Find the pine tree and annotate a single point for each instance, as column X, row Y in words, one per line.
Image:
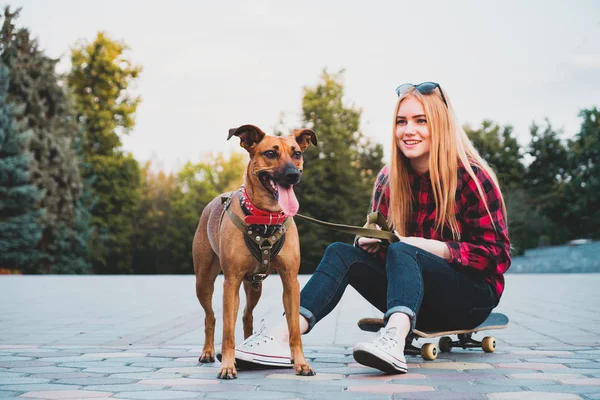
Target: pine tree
column 20, row 229
column 55, row 167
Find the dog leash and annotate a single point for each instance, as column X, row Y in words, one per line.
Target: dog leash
column 374, row 218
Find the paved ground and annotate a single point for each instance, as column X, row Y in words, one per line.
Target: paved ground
column 132, row 337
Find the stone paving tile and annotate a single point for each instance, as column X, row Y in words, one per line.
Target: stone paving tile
column 44, row 370
column 256, row 396
column 532, row 366
column 163, row 364
column 216, row 388
column 21, row 380
column 179, row 382
column 345, row 370
column 6, row 374
column 515, row 382
column 322, row 365
column 580, row 381
column 437, row 395
column 539, row 353
column 95, row 381
column 456, row 365
column 347, row 396
column 117, row 370
column 318, row 377
column 65, row 394
column 580, row 390
column 532, row 396
column 187, row 370
column 114, row 354
column 34, row 387
column 380, row 377
column 300, row 387
column 557, row 360
column 132, row 387
column 147, row 375
column 67, row 375
column 546, row 375
column 393, row 388
column 592, row 365
column 15, row 358
column 89, row 364
column 338, row 359
column 155, row 395
column 21, row 364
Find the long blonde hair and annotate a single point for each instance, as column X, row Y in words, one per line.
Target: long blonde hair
column 449, row 147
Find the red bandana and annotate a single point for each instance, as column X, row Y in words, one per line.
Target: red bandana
column 257, row 216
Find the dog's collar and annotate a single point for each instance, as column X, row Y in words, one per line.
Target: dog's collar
column 256, row 216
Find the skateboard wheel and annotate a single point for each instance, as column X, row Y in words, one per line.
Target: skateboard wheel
column 445, row 344
column 429, row 351
column 488, row 344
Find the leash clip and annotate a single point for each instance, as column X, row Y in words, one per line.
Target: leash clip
column 258, row 278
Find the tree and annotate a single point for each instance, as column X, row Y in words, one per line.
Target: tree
column 339, row 175
column 170, row 208
column 55, row 166
column 500, row 149
column 20, row 229
column 583, row 191
column 99, row 80
column 545, row 179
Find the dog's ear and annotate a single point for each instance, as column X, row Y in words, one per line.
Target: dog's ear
column 249, row 135
column 305, row 137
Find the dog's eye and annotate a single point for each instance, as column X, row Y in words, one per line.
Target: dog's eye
column 297, row 155
column 270, row 154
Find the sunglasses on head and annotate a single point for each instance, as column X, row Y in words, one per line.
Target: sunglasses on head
column 423, row 88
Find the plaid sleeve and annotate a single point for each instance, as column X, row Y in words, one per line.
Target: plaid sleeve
column 485, row 245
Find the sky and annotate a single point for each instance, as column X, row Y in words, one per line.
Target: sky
column 212, row 65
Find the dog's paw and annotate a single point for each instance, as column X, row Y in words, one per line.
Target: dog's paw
column 207, row 357
column 227, row 373
column 304, row 370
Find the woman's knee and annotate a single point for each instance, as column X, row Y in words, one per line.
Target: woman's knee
column 338, row 256
column 401, row 249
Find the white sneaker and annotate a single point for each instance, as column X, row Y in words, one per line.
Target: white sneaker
column 386, row 352
column 263, row 349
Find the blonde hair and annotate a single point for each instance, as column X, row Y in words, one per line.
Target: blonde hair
column 449, row 147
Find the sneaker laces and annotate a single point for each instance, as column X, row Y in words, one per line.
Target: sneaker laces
column 386, row 337
column 260, row 336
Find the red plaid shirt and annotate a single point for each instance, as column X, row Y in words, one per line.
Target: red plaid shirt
column 482, row 248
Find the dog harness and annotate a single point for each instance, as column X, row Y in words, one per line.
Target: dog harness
column 264, row 233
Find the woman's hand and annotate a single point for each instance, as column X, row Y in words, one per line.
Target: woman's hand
column 433, row 246
column 370, row 245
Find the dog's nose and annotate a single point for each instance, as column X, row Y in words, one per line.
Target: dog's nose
column 291, row 175
column 292, row 178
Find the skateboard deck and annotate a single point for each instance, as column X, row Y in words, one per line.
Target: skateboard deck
column 429, row 350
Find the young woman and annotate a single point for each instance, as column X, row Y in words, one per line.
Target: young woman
column 446, row 272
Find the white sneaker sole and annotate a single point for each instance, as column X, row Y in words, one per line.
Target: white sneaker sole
column 261, row 359
column 379, row 359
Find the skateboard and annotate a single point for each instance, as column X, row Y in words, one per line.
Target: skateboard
column 429, row 351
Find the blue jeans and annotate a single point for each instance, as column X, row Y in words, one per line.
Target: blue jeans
column 434, row 294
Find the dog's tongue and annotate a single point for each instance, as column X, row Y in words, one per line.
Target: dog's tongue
column 287, row 200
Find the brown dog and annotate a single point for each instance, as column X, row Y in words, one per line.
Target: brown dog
column 219, row 243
